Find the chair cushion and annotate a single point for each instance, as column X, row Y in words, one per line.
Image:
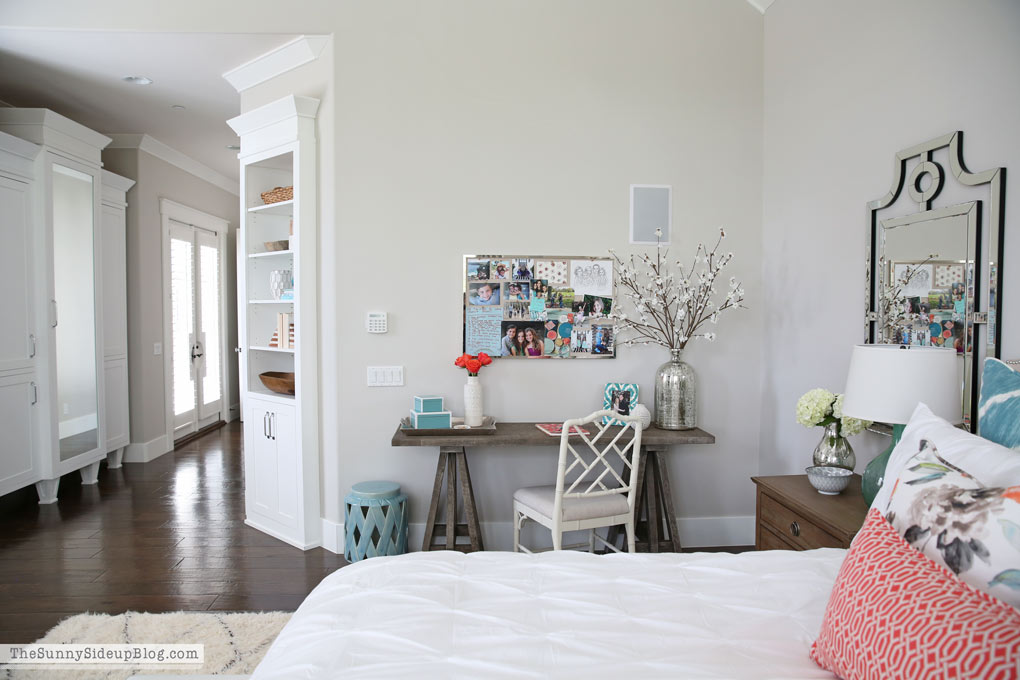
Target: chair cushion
column 543, row 499
column 999, row 408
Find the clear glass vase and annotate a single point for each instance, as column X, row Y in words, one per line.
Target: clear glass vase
column 676, row 394
column 834, row 450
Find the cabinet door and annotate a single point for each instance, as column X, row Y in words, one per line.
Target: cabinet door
column 288, row 465
column 17, row 455
column 271, row 463
column 114, row 282
column 116, row 403
column 260, row 461
column 16, row 345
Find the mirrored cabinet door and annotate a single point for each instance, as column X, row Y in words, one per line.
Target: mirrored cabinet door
column 74, row 295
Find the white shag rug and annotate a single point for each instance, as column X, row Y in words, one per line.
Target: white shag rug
column 234, row 643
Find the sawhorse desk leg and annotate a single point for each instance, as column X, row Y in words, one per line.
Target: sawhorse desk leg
column 452, row 467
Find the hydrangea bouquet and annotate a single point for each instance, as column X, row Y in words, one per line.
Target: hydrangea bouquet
column 822, row 407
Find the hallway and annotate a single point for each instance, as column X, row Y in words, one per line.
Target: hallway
column 162, row 536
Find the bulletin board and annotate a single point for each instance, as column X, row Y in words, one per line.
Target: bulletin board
column 539, row 307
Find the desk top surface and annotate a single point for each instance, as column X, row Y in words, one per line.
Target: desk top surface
column 526, row 434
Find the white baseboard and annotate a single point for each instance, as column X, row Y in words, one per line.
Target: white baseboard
column 695, row 532
column 143, row 452
column 333, row 537
column 73, row 426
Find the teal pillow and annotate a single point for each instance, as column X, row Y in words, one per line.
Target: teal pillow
column 999, row 408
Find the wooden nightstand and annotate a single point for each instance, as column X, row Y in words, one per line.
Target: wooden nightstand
column 792, row 515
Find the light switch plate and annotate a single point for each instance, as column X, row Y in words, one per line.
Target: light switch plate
column 385, row 376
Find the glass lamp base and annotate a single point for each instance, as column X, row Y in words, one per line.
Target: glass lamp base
column 874, row 473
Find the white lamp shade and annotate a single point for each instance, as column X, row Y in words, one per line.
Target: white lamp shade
column 886, row 382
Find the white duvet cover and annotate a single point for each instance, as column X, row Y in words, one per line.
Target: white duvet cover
column 561, row 615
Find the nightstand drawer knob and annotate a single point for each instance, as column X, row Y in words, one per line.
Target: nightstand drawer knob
column 794, row 528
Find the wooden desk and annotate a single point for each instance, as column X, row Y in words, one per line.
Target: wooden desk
column 657, row 531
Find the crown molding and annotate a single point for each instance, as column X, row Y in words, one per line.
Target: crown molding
column 154, row 147
column 297, row 52
column 760, row 5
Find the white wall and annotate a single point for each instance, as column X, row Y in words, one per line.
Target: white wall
column 847, row 85
column 480, row 127
column 472, row 128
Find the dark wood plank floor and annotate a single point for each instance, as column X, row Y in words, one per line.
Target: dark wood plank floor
column 161, row 536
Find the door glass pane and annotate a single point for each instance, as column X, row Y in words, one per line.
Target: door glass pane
column 182, row 305
column 74, row 292
column 209, row 272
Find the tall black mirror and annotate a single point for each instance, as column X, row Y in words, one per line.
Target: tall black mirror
column 935, row 258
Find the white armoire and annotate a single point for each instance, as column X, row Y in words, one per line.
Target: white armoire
column 281, row 431
column 52, row 366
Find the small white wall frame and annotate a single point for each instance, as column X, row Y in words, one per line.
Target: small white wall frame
column 651, row 208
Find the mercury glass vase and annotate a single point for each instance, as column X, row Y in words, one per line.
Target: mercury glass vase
column 676, row 394
column 834, row 450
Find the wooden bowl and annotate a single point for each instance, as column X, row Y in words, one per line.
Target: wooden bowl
column 281, row 383
column 272, row 246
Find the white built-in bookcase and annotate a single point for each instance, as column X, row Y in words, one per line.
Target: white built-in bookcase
column 278, row 149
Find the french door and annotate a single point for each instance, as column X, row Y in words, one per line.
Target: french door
column 195, row 329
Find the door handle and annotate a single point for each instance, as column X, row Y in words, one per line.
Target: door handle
column 237, row 349
column 272, row 426
column 195, row 354
column 31, row 340
column 265, row 424
column 35, row 393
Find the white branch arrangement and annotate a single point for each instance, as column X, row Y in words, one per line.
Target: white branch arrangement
column 669, row 308
column 892, row 300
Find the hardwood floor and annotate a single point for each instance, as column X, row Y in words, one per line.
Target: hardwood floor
column 161, row 536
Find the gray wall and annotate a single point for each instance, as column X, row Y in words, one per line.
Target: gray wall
column 847, row 85
column 158, row 179
column 475, row 128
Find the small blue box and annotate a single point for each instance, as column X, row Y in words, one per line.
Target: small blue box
column 429, row 404
column 431, row 421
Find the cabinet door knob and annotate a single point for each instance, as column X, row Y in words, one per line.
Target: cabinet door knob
column 794, row 528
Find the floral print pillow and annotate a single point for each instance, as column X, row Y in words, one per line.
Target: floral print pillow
column 956, row 521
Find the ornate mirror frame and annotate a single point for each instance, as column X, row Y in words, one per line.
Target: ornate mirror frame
column 984, row 238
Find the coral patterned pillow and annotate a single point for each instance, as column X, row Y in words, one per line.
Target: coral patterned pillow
column 949, row 515
column 894, row 613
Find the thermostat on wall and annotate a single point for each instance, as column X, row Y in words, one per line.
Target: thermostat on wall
column 375, row 322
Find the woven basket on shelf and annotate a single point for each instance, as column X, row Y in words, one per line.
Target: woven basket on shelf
column 278, row 194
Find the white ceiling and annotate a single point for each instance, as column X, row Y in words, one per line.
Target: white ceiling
column 79, row 75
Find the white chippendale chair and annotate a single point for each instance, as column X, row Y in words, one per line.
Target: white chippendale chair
column 589, row 492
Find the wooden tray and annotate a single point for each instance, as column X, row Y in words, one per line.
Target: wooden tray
column 488, row 426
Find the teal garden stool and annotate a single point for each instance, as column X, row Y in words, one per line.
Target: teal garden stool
column 375, row 521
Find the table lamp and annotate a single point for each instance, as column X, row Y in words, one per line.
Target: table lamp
column 885, row 384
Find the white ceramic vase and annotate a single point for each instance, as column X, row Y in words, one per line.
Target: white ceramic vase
column 473, row 402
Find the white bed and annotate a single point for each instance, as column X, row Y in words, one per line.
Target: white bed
column 567, row 614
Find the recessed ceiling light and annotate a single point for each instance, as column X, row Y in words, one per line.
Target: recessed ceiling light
column 177, row 107
column 233, row 147
column 137, row 80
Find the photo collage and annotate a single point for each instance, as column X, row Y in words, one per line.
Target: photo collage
column 534, row 307
column 936, row 301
